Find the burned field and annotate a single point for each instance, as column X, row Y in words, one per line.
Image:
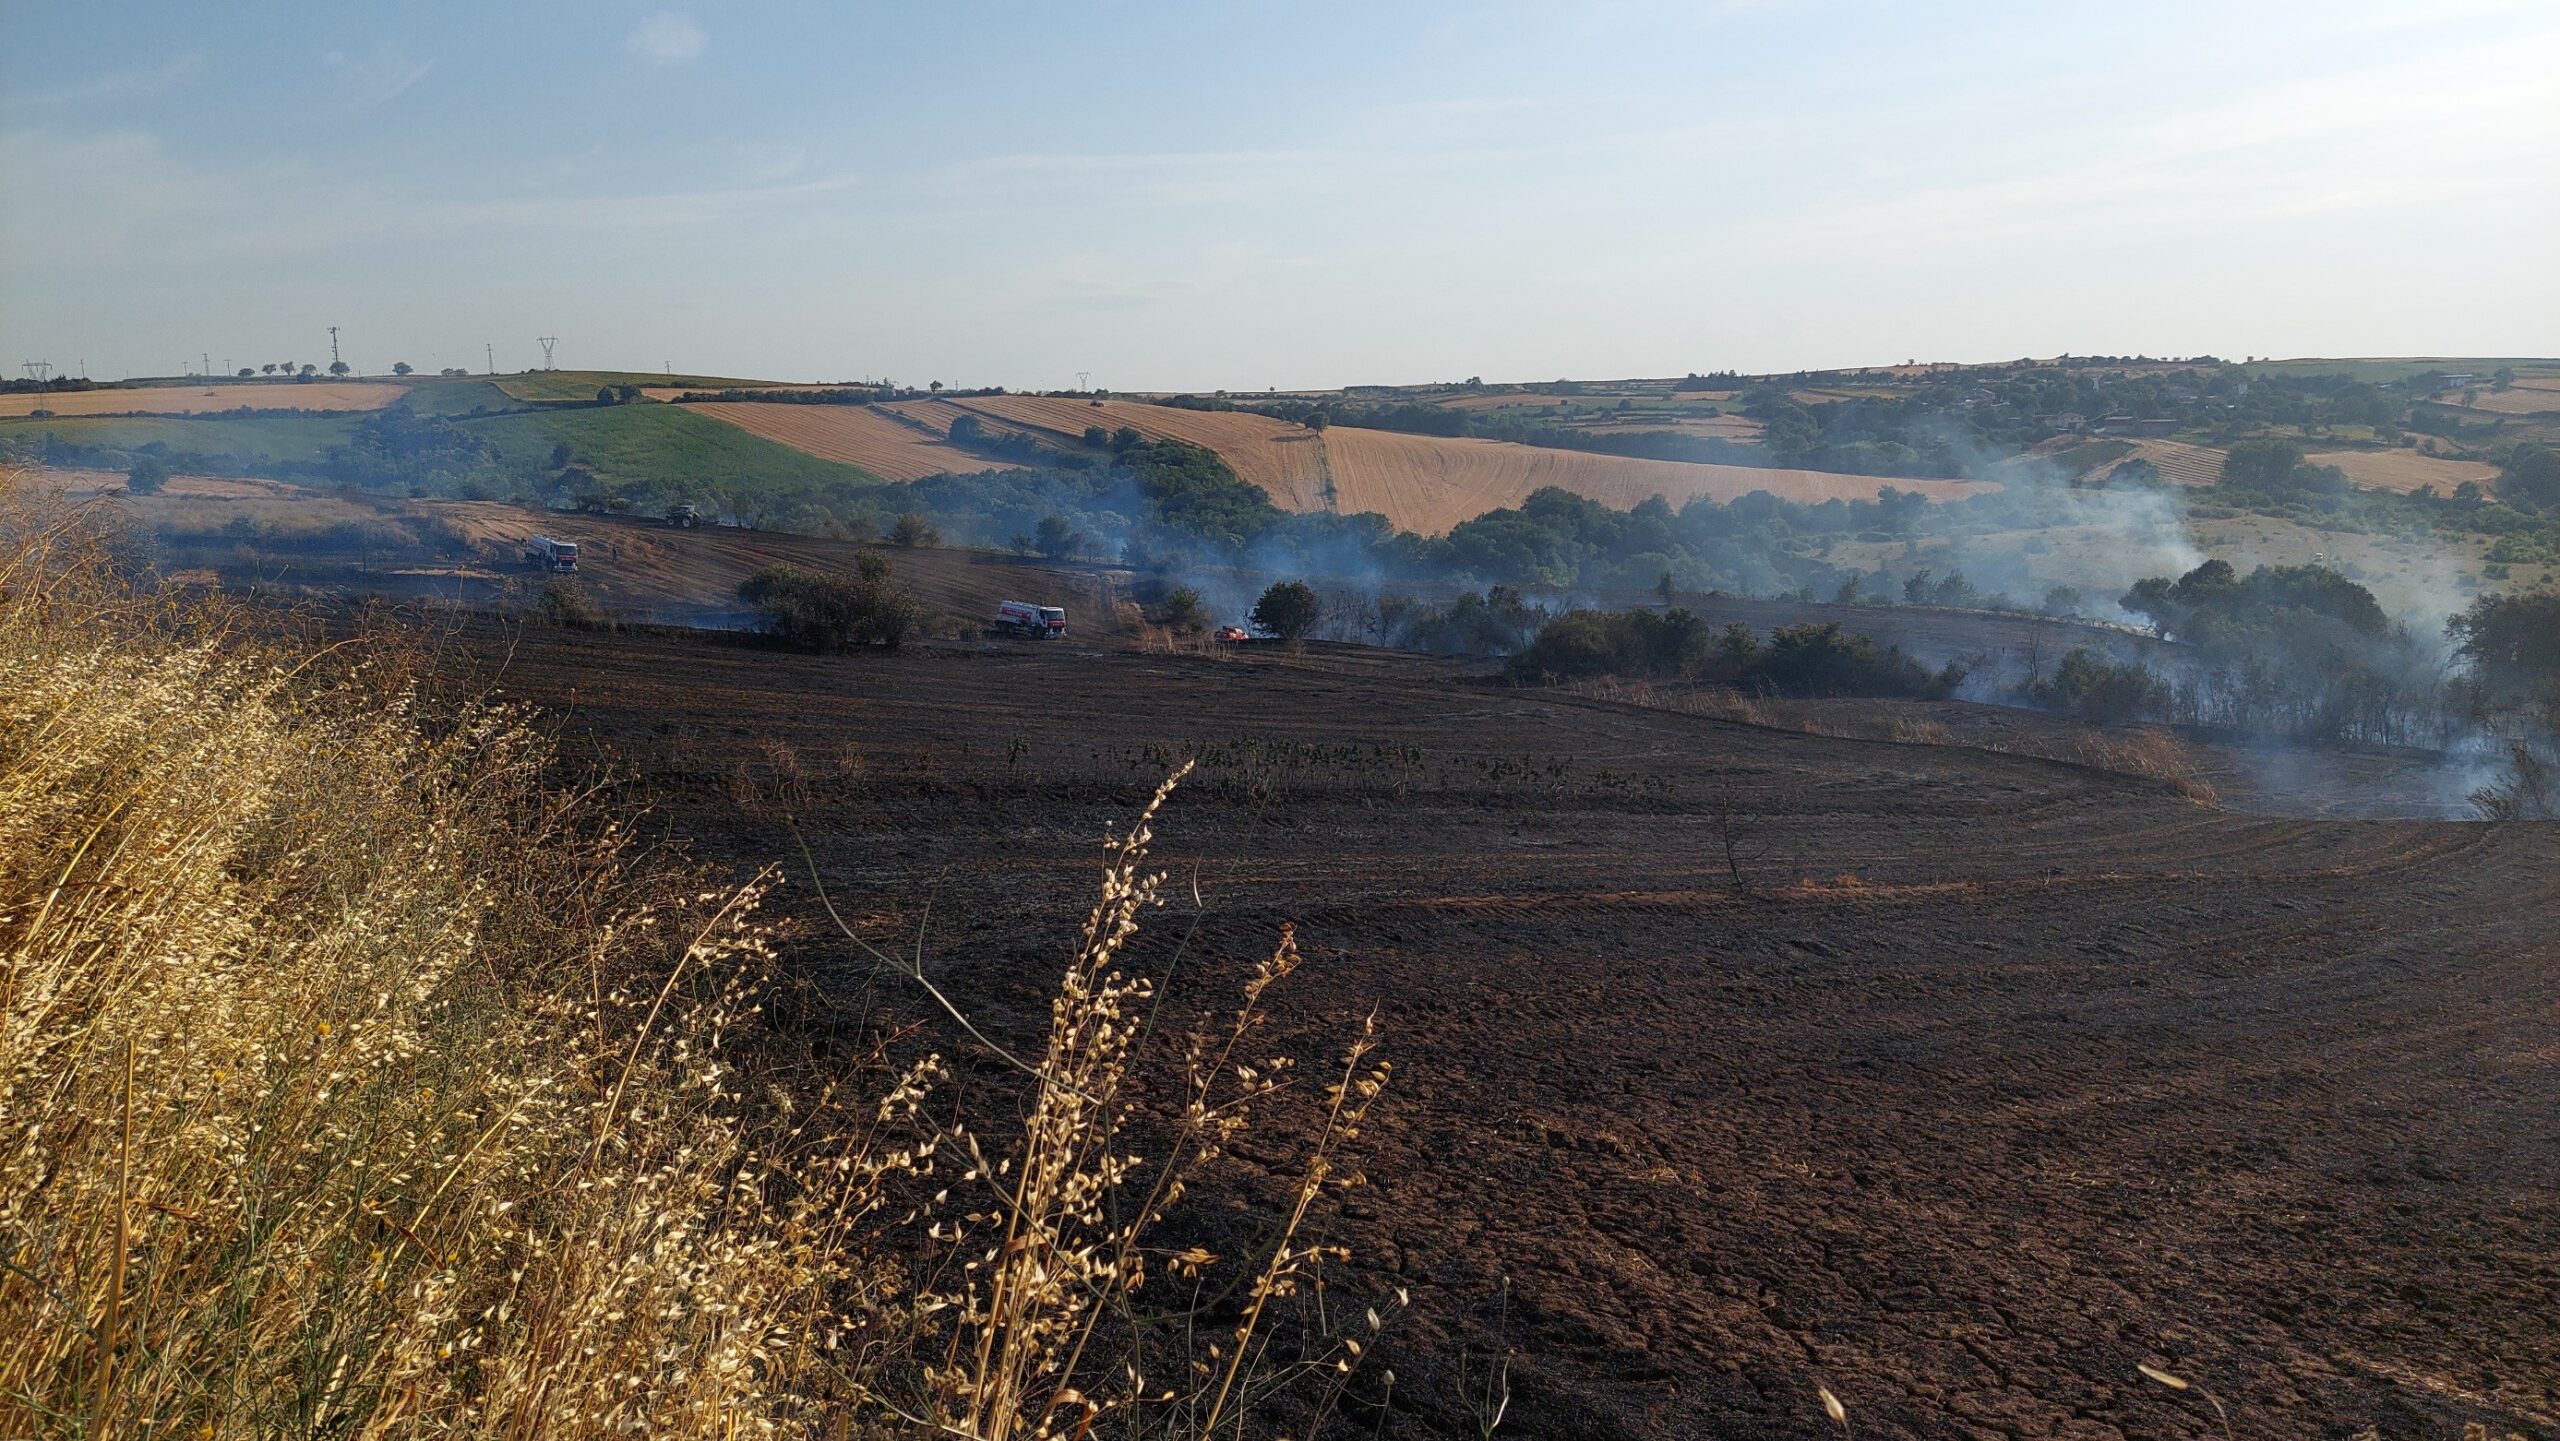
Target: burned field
column 1730, row 1062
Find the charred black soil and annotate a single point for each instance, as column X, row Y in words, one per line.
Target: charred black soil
column 1994, row 1077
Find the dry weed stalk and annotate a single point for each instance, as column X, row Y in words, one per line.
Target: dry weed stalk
column 1050, row 1239
column 353, row 1081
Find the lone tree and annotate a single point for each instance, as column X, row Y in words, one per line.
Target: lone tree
column 1182, row 610
column 1289, row 609
column 1317, row 421
column 913, row 530
column 399, row 367
column 1057, row 539
column 149, row 473
column 246, row 372
column 337, row 367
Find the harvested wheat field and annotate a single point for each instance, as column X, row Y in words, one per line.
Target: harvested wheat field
column 2178, row 462
column 1283, row 459
column 1426, row 483
column 2404, row 470
column 2526, row 399
column 857, row 435
column 207, row 399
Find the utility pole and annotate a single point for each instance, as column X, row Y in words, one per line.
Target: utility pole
column 333, row 350
column 493, row 356
column 208, row 363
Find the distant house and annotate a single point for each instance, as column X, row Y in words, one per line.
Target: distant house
column 2070, row 420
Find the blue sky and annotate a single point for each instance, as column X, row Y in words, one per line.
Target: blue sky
column 1208, row 195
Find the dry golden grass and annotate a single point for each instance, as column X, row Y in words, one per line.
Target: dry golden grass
column 351, row 1080
column 858, row 435
column 2526, row 398
column 2405, row 470
column 204, row 399
column 354, row 1081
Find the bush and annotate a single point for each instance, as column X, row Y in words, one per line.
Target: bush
column 826, row 611
column 1804, row 660
column 2091, row 687
column 147, row 477
column 913, row 530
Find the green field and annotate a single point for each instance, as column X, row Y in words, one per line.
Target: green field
column 665, row 447
column 269, row 439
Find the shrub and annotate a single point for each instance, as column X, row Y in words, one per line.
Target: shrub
column 149, row 474
column 2088, row 685
column 913, row 530
column 832, row 611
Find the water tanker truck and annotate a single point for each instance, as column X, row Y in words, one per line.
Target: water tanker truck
column 542, row 552
column 1040, row 622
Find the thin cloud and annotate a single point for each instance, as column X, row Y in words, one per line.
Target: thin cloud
column 378, row 78
column 132, row 80
column 666, row 38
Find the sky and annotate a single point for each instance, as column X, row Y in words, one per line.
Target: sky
column 1199, row 196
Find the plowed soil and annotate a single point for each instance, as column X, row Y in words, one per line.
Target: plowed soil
column 858, row 435
column 205, row 399
column 1995, row 1077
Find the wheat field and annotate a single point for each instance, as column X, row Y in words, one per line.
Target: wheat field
column 858, row 435
column 1428, row 484
column 208, row 399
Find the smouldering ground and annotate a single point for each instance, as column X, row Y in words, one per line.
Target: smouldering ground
column 2004, row 1077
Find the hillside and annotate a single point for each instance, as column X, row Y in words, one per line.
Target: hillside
column 326, row 395
column 1422, row 483
column 871, row 437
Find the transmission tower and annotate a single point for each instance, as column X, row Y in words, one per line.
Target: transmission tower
column 208, row 361
column 38, row 370
column 1084, row 380
column 547, row 341
column 333, row 348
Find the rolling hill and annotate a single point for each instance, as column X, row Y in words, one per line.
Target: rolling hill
column 1425, row 483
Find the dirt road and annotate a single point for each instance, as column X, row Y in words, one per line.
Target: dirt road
column 1998, row 1077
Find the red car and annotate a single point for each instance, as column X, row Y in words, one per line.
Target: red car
column 1235, row 635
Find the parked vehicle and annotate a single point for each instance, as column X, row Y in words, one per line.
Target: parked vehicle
column 1041, row 622
column 552, row 555
column 1233, row 635
column 684, row 517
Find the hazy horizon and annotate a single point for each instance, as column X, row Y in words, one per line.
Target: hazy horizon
column 1163, row 198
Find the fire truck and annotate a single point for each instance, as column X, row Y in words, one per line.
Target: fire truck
column 544, row 553
column 1040, row 622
